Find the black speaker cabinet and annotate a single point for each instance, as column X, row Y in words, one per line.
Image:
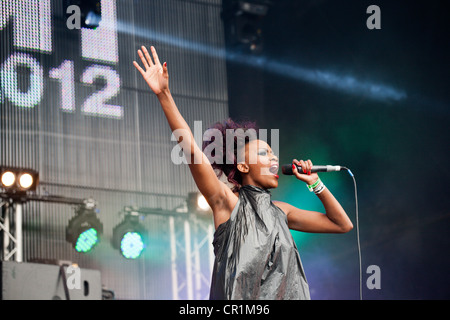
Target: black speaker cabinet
column 35, row 281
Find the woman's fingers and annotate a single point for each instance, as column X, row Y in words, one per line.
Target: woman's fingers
column 303, row 165
column 138, row 67
column 309, row 166
column 147, row 56
column 305, row 173
column 306, row 166
column 294, row 167
column 295, row 163
column 155, row 55
column 144, row 61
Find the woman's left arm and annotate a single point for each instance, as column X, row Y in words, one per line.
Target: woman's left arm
column 335, row 220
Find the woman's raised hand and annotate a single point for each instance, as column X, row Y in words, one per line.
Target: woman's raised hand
column 155, row 74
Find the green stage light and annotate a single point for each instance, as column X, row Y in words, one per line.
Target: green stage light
column 129, row 237
column 84, row 230
column 86, row 240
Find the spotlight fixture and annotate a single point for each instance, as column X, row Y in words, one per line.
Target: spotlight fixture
column 84, row 229
column 248, row 16
column 129, row 236
column 197, row 203
column 8, row 179
column 18, row 180
column 90, row 12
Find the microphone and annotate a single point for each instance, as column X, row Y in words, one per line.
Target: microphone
column 287, row 169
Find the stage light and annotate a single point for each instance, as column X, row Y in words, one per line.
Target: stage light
column 8, row 179
column 247, row 18
column 90, row 12
column 129, row 237
column 84, row 229
column 92, row 20
column 18, row 180
column 202, row 203
column 86, row 240
column 132, row 245
column 25, row 180
column 197, row 203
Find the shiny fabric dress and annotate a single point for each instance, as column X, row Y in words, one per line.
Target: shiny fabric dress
column 256, row 256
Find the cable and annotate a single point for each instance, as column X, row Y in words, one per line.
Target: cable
column 357, row 234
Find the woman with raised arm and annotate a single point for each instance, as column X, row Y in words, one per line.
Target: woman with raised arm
column 256, row 256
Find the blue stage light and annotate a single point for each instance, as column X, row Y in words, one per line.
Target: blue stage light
column 129, row 237
column 132, row 245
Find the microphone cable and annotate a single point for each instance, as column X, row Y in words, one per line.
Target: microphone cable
column 357, row 232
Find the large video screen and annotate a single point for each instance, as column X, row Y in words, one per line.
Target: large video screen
column 74, row 108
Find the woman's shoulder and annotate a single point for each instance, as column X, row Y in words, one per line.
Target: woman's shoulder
column 285, row 207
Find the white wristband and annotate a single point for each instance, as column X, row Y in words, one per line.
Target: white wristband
column 319, row 188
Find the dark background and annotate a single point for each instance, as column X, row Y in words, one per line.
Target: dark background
column 396, row 147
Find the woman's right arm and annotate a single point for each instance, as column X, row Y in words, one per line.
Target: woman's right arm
column 215, row 191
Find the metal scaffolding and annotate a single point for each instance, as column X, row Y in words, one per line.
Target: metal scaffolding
column 191, row 252
column 190, row 237
column 11, row 227
column 11, row 220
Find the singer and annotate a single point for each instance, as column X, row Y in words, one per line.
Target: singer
column 255, row 254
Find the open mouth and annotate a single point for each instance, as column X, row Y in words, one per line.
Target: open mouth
column 274, row 169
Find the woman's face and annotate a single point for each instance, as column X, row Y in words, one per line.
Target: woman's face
column 261, row 165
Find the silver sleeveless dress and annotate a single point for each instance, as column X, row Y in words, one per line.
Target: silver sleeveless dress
column 255, row 255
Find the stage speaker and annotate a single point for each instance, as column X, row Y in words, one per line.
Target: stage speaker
column 35, row 281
